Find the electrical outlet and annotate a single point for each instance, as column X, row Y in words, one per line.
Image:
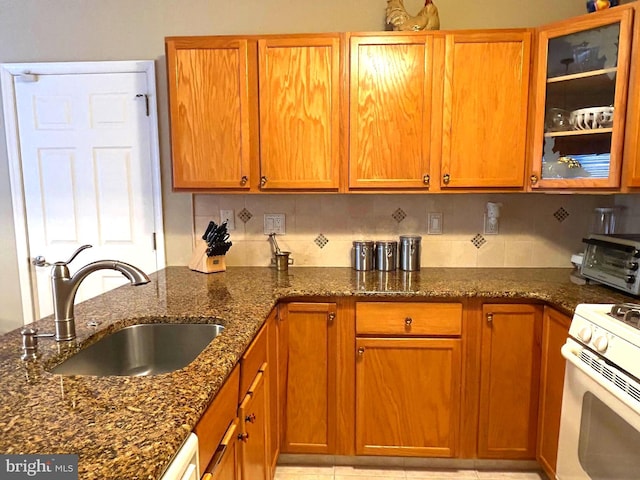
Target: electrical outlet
column 491, row 225
column 434, row 223
column 229, row 217
column 274, row 223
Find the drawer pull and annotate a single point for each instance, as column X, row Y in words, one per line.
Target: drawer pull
column 408, row 321
column 243, row 437
column 250, row 418
column 361, row 351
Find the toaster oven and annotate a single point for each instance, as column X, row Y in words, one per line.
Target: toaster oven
column 613, row 260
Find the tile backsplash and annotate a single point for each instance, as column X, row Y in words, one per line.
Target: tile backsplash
column 535, row 230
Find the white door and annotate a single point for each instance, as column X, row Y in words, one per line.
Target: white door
column 87, row 173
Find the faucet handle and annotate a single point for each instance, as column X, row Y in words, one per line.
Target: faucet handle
column 40, row 261
column 74, row 255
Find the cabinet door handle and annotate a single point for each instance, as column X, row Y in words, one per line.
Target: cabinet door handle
column 243, row 437
column 426, row 179
column 408, row 321
column 361, row 351
column 534, row 179
column 490, row 318
column 263, row 181
column 331, row 316
column 244, row 180
column 446, row 178
column 250, row 418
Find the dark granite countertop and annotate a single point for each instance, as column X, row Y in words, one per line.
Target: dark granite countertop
column 131, row 427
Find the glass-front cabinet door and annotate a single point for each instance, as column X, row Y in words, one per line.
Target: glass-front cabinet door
column 580, row 101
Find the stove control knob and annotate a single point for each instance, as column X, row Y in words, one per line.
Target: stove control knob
column 633, row 266
column 601, row 344
column 631, row 278
column 585, row 334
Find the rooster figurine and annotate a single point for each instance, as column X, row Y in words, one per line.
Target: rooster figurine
column 595, row 5
column 399, row 19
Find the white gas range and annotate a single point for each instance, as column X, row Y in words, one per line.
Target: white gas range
column 600, row 421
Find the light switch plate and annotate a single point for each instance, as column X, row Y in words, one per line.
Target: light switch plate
column 434, row 223
column 274, row 223
column 229, row 217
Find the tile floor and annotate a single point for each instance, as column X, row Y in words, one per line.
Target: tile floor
column 285, row 472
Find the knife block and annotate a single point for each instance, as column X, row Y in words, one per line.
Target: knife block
column 200, row 262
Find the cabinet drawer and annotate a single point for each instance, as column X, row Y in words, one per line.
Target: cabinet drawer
column 408, row 318
column 223, row 465
column 211, row 427
column 253, row 359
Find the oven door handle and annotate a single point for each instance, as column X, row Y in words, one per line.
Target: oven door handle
column 615, row 246
column 571, row 355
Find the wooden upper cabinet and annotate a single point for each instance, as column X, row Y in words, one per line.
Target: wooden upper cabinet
column 390, row 111
column 486, row 85
column 299, row 112
column 210, row 109
column 580, row 90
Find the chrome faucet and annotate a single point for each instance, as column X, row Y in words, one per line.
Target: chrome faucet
column 64, row 288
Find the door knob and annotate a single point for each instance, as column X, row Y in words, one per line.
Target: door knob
column 446, row 178
column 534, row 179
column 244, row 180
column 263, row 181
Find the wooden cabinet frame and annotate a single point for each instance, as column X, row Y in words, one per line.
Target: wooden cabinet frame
column 631, row 173
column 622, row 14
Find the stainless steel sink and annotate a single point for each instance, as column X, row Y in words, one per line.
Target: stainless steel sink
column 144, row 349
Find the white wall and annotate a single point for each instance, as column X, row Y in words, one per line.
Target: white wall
column 76, row 30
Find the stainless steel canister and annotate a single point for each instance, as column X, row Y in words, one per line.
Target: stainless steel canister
column 386, row 255
column 282, row 261
column 410, row 252
column 362, row 255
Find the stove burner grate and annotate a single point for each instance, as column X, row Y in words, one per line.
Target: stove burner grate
column 627, row 312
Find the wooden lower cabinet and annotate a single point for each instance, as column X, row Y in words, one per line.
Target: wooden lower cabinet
column 273, row 387
column 309, row 338
column 224, row 465
column 410, row 391
column 407, row 396
column 217, row 419
column 555, row 330
column 509, row 384
column 254, row 419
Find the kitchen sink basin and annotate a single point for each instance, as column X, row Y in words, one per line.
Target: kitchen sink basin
column 143, row 349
